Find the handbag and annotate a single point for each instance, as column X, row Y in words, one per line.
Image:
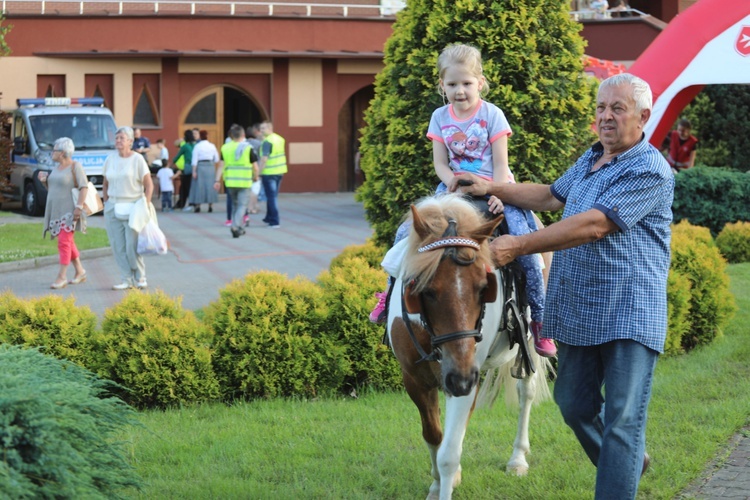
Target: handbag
column 123, row 209
column 93, row 203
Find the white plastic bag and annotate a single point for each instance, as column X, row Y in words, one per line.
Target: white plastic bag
column 151, row 240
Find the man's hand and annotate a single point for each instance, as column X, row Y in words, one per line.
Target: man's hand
column 504, row 249
column 470, row 184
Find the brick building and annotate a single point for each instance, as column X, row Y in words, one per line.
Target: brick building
column 169, row 65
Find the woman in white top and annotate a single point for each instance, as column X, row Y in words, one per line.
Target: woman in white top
column 127, row 179
column 205, row 161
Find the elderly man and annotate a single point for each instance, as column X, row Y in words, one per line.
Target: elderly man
column 606, row 300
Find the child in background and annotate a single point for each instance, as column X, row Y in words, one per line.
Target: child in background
column 471, row 135
column 165, row 176
column 163, row 153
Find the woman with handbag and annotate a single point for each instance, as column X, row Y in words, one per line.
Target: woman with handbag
column 127, row 179
column 62, row 216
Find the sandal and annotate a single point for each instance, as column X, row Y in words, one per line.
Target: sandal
column 78, row 279
column 59, row 284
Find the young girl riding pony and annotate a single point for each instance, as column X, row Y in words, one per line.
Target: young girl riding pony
column 471, row 135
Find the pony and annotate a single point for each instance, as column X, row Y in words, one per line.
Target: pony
column 445, row 326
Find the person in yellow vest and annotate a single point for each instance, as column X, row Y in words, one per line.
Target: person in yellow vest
column 272, row 169
column 239, row 168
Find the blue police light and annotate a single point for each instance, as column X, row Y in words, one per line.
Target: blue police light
column 61, row 101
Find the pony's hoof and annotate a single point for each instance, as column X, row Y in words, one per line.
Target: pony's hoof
column 434, row 493
column 518, row 470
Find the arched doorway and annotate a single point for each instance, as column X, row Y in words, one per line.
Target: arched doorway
column 351, row 121
column 215, row 108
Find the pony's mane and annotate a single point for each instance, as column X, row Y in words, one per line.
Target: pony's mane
column 435, row 212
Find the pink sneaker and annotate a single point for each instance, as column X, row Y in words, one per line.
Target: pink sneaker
column 246, row 220
column 544, row 347
column 378, row 315
column 228, row 223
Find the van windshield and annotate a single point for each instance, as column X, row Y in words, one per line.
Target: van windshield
column 86, row 131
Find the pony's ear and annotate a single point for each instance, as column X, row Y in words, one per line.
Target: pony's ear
column 411, row 300
column 485, row 230
column 490, row 293
column 419, row 226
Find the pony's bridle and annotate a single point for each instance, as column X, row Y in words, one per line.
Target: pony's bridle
column 410, row 303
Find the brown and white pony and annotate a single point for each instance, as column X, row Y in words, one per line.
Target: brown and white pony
column 443, row 321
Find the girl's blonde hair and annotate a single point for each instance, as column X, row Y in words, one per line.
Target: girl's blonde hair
column 460, row 54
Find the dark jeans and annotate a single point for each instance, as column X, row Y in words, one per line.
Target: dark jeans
column 184, row 190
column 271, row 185
column 166, row 199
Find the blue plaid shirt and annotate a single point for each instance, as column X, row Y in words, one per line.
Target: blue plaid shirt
column 615, row 287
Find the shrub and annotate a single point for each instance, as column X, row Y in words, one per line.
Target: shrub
column 370, row 252
column 271, row 339
column 53, row 323
column 57, row 426
column 734, row 242
column 678, row 310
column 532, row 53
column 348, row 290
column 694, row 254
column 711, row 197
column 157, row 350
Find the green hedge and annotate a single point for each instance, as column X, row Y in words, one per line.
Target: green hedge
column 696, row 257
column 158, row 351
column 269, row 336
column 734, row 242
column 54, row 324
column 271, row 339
column 348, row 289
column 711, row 197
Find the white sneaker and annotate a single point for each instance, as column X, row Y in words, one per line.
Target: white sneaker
column 122, row 286
column 188, row 208
column 142, row 283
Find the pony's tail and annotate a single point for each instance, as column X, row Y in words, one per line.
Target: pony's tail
column 497, row 378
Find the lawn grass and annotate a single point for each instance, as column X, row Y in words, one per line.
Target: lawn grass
column 24, row 241
column 371, row 447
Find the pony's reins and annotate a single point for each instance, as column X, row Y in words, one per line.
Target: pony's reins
column 449, row 241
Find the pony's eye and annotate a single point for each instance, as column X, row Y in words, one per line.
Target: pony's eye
column 430, row 294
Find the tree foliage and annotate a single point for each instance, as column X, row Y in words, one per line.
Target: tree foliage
column 532, row 55
column 718, row 117
column 5, row 143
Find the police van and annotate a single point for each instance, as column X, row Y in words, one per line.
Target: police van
column 35, row 126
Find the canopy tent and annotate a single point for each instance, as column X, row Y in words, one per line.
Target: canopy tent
column 708, row 43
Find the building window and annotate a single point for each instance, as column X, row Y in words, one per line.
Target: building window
column 146, row 113
column 101, row 86
column 204, row 110
column 50, row 86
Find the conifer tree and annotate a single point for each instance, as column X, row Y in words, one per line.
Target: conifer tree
column 5, row 142
column 532, row 56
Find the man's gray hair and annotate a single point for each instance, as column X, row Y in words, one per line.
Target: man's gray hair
column 126, row 131
column 641, row 90
column 66, row 146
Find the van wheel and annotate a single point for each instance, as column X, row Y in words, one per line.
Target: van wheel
column 31, row 203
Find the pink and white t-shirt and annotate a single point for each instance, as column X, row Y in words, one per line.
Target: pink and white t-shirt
column 469, row 141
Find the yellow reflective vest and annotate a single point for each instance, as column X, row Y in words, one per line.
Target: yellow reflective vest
column 237, row 173
column 276, row 163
